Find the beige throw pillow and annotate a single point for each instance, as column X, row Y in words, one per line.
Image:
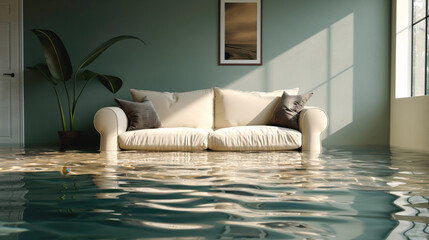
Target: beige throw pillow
column 237, row 108
column 181, row 109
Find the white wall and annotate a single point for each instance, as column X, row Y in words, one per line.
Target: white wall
column 409, row 116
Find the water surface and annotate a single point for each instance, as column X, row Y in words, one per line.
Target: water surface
column 340, row 194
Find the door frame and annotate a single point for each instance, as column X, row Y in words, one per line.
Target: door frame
column 21, row 70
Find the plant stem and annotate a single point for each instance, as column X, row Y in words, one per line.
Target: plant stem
column 61, row 109
column 74, row 88
column 80, row 93
column 70, row 108
column 73, row 110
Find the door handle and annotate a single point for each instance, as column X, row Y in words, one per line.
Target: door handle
column 9, row 74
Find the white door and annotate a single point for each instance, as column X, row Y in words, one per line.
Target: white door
column 11, row 123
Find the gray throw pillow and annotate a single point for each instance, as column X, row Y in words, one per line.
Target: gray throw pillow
column 140, row 115
column 286, row 113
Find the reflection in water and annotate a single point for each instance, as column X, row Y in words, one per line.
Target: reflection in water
column 12, row 192
column 412, row 170
column 341, row 194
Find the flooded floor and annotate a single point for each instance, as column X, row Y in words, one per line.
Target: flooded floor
column 340, row 194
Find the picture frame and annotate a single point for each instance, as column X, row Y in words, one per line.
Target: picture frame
column 240, row 32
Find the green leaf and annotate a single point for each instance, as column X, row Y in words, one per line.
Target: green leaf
column 43, row 69
column 103, row 47
column 56, row 55
column 110, row 82
column 87, row 75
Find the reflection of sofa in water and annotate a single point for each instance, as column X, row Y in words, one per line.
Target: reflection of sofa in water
column 216, row 119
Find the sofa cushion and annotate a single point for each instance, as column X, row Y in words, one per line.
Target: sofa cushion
column 141, row 115
column 165, row 139
column 286, row 113
column 254, row 138
column 183, row 109
column 237, row 108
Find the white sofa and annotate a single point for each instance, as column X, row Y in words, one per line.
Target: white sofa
column 216, row 119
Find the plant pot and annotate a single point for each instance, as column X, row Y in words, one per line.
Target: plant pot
column 69, row 140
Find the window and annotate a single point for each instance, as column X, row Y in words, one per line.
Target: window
column 420, row 52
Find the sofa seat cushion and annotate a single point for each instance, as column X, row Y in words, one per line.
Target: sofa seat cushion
column 254, row 138
column 165, row 139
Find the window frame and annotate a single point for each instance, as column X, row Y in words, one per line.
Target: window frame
column 426, row 19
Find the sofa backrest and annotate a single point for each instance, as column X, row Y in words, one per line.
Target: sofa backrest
column 183, row 109
column 238, row 108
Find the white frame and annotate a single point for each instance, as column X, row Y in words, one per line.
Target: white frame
column 222, row 60
column 21, row 68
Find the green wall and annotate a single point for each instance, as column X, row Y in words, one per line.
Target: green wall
column 339, row 49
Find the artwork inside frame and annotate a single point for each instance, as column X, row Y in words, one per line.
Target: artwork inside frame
column 240, row 32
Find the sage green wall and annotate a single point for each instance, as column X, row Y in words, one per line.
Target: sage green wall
column 339, row 49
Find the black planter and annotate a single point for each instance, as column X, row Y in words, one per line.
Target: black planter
column 70, row 140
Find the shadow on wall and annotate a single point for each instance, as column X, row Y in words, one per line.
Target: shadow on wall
column 322, row 64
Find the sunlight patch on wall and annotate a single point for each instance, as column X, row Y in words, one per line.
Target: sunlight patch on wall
column 322, row 64
column 341, row 74
column 341, row 45
column 341, row 101
column 303, row 66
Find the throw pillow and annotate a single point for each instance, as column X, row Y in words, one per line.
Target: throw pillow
column 286, row 113
column 141, row 115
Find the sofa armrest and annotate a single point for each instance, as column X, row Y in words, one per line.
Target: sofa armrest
column 110, row 122
column 312, row 122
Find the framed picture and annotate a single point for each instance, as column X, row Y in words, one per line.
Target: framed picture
column 240, row 32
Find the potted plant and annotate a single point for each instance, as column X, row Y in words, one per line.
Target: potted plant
column 58, row 71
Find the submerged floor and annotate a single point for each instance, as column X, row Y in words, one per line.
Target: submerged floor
column 340, row 194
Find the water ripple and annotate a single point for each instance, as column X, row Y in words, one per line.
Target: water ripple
column 341, row 194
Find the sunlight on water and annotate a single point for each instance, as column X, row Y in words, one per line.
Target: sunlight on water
column 341, row 194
